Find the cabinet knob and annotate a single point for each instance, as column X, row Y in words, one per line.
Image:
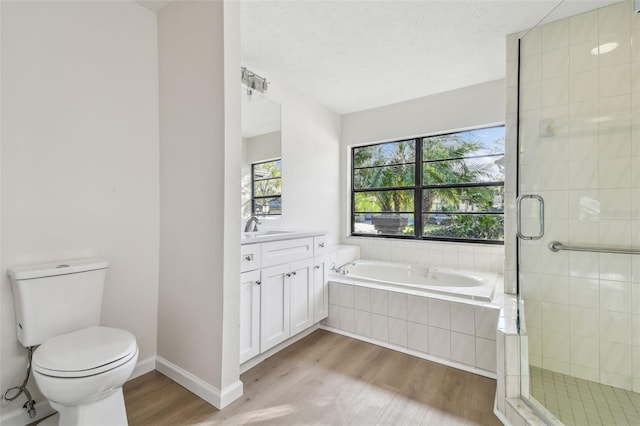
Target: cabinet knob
column 248, row 258
column 288, row 275
column 317, row 267
column 321, row 245
column 258, row 282
column 293, row 273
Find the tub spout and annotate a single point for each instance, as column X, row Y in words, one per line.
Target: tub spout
column 342, row 268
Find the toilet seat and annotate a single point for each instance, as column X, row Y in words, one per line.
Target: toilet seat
column 85, row 352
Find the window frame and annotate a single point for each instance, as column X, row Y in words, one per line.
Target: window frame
column 260, row 197
column 419, row 187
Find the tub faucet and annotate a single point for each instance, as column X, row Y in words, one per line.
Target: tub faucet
column 252, row 224
column 341, row 269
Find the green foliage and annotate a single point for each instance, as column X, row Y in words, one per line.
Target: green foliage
column 477, row 227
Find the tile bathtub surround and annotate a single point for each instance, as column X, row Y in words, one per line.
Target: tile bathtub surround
column 456, row 333
column 472, row 257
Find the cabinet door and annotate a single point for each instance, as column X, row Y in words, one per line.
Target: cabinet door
column 320, row 289
column 249, row 315
column 274, row 306
column 301, row 295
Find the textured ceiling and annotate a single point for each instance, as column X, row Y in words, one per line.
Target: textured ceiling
column 356, row 55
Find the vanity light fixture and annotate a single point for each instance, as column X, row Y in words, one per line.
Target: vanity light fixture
column 253, row 81
column 604, row 48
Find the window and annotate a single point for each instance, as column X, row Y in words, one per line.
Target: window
column 446, row 187
column 266, row 188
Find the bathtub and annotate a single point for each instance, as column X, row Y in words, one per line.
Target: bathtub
column 477, row 286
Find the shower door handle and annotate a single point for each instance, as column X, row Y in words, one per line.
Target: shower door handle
column 519, row 217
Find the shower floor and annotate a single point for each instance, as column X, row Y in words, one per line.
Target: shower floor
column 581, row 402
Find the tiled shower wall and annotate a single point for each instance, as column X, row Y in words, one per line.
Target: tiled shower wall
column 580, row 150
column 473, row 257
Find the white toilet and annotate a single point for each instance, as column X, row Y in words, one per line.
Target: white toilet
column 79, row 367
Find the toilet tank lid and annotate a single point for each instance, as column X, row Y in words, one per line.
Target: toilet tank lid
column 28, row 272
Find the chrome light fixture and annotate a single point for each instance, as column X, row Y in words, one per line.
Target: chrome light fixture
column 253, row 81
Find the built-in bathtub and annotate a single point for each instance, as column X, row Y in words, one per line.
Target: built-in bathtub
column 450, row 282
column 444, row 315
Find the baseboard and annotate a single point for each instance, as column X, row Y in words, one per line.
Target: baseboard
column 19, row 417
column 418, row 354
column 214, row 396
column 143, row 367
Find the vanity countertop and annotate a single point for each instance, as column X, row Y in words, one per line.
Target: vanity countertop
column 275, row 235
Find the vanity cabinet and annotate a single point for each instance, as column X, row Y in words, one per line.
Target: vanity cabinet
column 284, row 290
column 249, row 314
column 320, row 288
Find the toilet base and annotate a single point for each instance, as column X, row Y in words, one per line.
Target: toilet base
column 107, row 411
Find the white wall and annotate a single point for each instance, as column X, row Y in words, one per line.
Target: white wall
column 469, row 107
column 200, row 198
column 80, row 157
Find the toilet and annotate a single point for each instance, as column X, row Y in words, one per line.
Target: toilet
column 79, row 366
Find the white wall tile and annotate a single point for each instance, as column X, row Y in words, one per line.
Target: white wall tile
column 417, row 309
column 585, row 322
column 556, row 317
column 463, row 348
column 463, row 318
column 397, row 305
column 362, row 323
column 584, row 292
column 555, row 35
column 583, row 27
column 347, row 319
column 380, row 327
column 556, row 346
column 347, row 296
column 440, row 342
column 439, row 314
column 418, row 337
column 398, row 332
column 613, row 19
column 585, row 352
column 362, row 299
column 333, row 320
column 486, row 322
column 615, row 327
column 379, row 302
column 616, row 358
column 486, row 354
column 334, row 293
column 615, row 296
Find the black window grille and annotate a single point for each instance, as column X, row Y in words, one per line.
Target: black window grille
column 266, row 188
column 447, row 187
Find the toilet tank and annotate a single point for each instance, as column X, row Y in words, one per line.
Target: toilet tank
column 57, row 298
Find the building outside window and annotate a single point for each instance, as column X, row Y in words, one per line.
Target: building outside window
column 266, row 188
column 446, row 187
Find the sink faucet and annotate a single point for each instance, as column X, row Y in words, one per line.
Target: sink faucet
column 341, row 269
column 252, row 224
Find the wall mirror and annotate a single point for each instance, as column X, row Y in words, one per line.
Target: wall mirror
column 261, row 155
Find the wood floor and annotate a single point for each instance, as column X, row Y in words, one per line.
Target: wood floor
column 326, row 379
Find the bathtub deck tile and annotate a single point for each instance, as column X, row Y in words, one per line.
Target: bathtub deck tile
column 418, row 337
column 440, row 342
column 363, row 323
column 463, row 318
column 398, row 332
column 397, row 305
column 379, row 302
column 417, row 309
column 439, row 314
column 380, row 327
column 363, row 298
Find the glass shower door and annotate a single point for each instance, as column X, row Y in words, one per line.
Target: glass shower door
column 579, row 154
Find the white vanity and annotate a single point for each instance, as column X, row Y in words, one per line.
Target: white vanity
column 284, row 288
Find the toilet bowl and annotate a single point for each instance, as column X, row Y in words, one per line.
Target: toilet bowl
column 82, row 373
column 79, row 366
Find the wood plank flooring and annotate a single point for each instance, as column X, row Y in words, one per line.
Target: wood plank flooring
column 326, row 379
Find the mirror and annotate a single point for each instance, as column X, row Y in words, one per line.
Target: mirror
column 261, row 164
